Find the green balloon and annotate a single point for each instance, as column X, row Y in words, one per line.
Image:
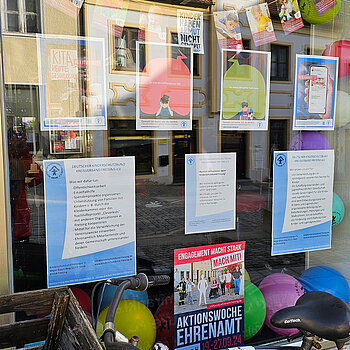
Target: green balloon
column 338, row 210
column 254, row 310
column 243, row 83
column 310, row 14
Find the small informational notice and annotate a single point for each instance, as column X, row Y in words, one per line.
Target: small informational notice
column 245, row 87
column 164, row 86
column 210, row 192
column 302, row 201
column 72, row 84
column 228, row 30
column 190, row 29
column 260, row 24
column 90, row 219
column 315, row 92
column 290, row 15
column 323, row 6
column 209, row 297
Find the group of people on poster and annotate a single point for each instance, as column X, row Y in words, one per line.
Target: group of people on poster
column 227, row 283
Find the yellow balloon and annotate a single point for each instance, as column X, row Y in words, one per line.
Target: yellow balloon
column 246, row 276
column 132, row 318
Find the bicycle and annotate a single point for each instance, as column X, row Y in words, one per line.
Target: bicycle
column 316, row 315
column 112, row 338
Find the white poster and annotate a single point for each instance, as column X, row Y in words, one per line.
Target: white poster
column 72, row 83
column 302, row 201
column 210, row 192
column 190, row 29
column 90, row 219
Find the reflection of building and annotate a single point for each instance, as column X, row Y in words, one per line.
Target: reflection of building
column 166, row 149
column 183, row 270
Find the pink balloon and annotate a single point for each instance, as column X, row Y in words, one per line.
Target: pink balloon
column 280, row 290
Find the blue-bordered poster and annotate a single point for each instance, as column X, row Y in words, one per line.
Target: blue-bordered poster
column 210, row 192
column 315, row 92
column 302, row 201
column 90, row 219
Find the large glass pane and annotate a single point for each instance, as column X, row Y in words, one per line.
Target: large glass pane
column 113, row 83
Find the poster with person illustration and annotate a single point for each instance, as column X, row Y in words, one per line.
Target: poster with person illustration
column 245, row 88
column 260, row 24
column 164, row 86
column 290, row 16
column 315, row 92
column 209, row 297
column 228, row 30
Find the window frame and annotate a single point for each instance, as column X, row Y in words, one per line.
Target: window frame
column 289, row 63
column 22, row 26
column 113, row 68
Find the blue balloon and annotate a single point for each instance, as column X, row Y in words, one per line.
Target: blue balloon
column 109, row 291
column 325, row 279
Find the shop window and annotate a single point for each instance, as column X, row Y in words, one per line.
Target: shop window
column 196, row 57
column 124, row 140
column 21, row 16
column 280, row 62
column 124, row 48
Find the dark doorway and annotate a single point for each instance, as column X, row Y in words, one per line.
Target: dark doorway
column 184, row 142
column 235, row 141
column 278, row 138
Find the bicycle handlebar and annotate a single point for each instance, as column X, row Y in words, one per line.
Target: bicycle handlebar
column 139, row 282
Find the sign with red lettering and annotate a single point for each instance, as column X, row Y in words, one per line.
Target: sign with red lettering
column 209, row 298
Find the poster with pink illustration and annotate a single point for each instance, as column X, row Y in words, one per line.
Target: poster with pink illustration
column 164, row 86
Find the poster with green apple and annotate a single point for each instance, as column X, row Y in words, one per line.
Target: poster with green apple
column 245, row 89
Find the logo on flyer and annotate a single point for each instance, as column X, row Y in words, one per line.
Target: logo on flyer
column 190, row 160
column 280, row 160
column 54, row 170
column 184, row 124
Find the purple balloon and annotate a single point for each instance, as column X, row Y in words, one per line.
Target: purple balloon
column 309, row 140
column 280, row 290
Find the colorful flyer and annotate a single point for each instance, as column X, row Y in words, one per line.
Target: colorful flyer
column 290, row 15
column 228, row 30
column 260, row 24
column 209, row 297
column 72, row 83
column 323, row 6
column 302, row 201
column 90, row 219
column 190, row 29
column 245, row 90
column 315, row 92
column 210, row 192
column 164, row 86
